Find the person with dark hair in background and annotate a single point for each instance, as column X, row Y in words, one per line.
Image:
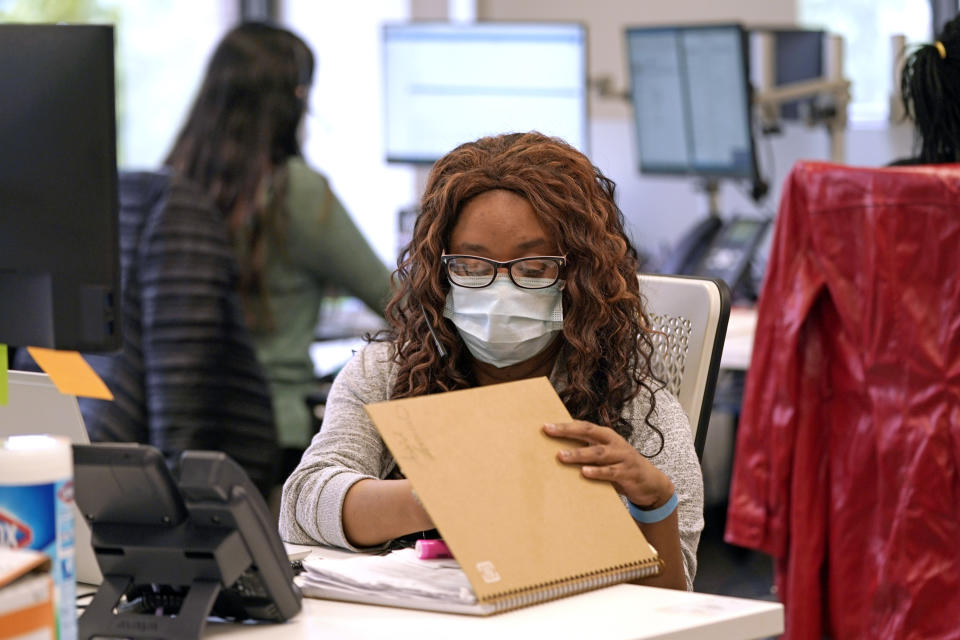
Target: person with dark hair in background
column 930, row 89
column 519, row 266
column 293, row 238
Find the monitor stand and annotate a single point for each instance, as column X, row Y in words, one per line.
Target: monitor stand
column 711, row 186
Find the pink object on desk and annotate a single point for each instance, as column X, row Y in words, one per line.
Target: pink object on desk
column 432, row 549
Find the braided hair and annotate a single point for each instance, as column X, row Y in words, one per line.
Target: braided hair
column 930, row 88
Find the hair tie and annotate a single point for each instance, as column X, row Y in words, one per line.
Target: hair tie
column 942, row 50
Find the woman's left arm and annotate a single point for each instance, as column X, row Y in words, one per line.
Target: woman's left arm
column 608, row 456
column 328, row 242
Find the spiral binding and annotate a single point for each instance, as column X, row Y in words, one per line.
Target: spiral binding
column 569, row 586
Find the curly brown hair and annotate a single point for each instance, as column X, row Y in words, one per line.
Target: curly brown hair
column 607, row 346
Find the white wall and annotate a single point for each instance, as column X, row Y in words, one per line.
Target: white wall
column 162, row 50
column 344, row 134
column 659, row 210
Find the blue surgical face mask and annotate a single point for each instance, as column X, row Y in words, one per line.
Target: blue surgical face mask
column 503, row 324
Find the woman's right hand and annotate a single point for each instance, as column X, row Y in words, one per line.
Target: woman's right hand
column 375, row 511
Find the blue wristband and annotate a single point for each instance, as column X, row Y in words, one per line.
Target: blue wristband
column 651, row 516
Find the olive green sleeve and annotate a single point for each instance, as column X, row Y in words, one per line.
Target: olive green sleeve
column 325, row 241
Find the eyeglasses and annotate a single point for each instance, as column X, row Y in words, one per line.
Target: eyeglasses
column 536, row 272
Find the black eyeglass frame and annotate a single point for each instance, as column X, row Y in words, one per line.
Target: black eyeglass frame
column 508, row 265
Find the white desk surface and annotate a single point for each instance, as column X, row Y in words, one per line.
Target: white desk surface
column 738, row 345
column 620, row 612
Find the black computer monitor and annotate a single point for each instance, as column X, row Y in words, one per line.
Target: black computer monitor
column 798, row 56
column 59, row 270
column 446, row 84
column 691, row 100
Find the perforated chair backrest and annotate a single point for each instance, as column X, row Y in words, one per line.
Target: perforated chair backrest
column 689, row 316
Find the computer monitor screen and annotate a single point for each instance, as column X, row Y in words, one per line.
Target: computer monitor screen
column 691, row 100
column 798, row 56
column 446, row 84
column 59, row 271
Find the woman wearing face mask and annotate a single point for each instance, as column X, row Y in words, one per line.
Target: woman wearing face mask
column 519, row 266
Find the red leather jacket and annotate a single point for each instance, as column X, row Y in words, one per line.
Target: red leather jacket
column 847, row 465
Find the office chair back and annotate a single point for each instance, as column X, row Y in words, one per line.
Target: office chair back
column 689, row 316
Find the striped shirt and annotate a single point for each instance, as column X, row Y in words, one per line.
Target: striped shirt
column 186, row 376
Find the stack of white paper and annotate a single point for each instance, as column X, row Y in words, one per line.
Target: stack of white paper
column 399, row 579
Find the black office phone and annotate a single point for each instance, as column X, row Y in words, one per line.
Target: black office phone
column 724, row 249
column 729, row 252
column 175, row 551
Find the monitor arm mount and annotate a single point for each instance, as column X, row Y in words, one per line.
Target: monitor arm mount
column 833, row 89
column 834, row 115
column 711, row 187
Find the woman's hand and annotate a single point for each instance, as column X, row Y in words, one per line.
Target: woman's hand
column 608, row 456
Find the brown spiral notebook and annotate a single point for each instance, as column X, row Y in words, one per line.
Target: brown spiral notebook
column 523, row 527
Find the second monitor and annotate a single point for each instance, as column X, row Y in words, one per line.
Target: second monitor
column 691, row 100
column 445, row 84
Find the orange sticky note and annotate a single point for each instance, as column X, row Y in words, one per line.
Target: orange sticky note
column 70, row 373
column 3, row 376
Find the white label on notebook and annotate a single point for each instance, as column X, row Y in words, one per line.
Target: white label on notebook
column 488, row 572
